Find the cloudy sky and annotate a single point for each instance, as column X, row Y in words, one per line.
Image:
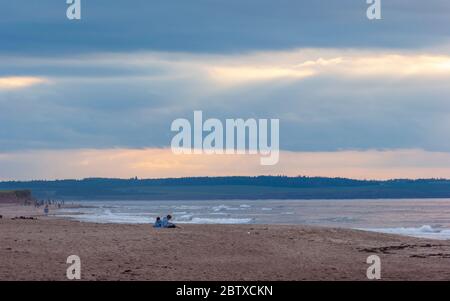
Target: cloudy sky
column 96, row 97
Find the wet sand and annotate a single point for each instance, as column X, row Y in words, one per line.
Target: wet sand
column 38, row 249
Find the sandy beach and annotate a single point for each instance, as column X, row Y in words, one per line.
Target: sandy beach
column 38, row 249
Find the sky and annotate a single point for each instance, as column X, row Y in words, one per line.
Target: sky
column 96, row 97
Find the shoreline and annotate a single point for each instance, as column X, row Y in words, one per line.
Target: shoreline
column 17, row 211
column 38, row 249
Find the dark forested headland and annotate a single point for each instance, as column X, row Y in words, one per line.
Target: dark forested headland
column 204, row 188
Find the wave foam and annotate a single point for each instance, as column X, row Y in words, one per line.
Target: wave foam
column 425, row 231
column 206, row 220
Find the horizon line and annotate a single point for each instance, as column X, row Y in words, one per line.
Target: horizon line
column 216, row 177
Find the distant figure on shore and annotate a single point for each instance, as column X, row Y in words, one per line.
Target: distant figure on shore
column 46, row 210
column 166, row 222
column 158, row 223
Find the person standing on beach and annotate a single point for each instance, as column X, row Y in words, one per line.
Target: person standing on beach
column 46, row 210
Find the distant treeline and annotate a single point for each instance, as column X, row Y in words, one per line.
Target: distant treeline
column 261, row 187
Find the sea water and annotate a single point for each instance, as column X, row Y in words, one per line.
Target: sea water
column 429, row 218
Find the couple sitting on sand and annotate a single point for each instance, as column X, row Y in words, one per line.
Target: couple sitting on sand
column 164, row 223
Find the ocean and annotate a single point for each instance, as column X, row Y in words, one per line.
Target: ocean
column 428, row 218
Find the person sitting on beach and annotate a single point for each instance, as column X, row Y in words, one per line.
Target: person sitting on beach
column 166, row 222
column 158, row 223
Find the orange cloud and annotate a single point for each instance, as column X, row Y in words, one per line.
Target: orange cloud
column 152, row 163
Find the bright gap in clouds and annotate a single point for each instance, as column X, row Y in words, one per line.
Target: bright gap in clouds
column 246, row 68
column 302, row 64
column 19, row 82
